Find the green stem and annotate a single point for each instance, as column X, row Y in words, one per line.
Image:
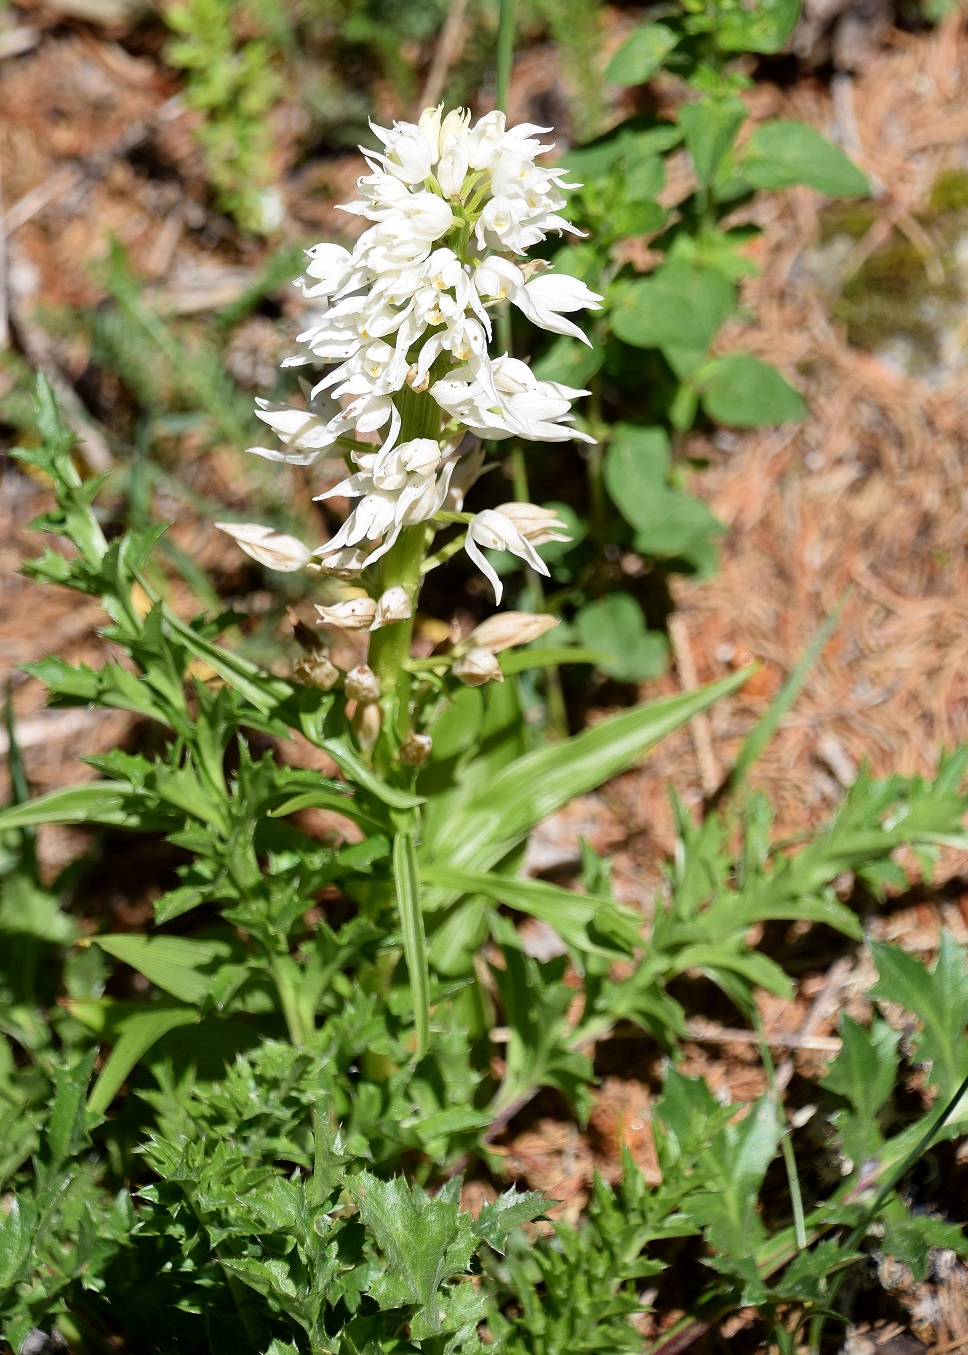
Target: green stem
column 505, row 54
column 786, row 1146
column 402, row 567
column 282, row 968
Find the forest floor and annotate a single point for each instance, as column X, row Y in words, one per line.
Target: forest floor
column 868, row 497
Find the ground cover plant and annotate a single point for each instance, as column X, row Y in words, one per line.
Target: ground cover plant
column 244, row 1129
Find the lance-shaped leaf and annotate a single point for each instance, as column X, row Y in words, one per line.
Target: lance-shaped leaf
column 485, row 828
column 179, row 965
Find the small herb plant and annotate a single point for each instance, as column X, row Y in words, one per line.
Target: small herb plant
column 257, row 1146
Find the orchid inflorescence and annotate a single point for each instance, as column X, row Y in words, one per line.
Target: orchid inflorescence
column 402, row 325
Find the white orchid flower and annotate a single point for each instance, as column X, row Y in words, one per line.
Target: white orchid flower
column 268, row 547
column 494, row 531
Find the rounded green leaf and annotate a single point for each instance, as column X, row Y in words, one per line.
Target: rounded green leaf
column 614, row 625
column 742, row 391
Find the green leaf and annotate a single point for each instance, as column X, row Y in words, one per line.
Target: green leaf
column 587, row 922
column 636, row 466
column 742, row 391
column 424, row 1239
column 569, row 361
column 615, row 626
column 499, row 815
column 176, row 964
column 938, row 997
column 864, row 1071
column 677, row 309
column 66, row 1132
column 641, row 54
column 112, row 803
column 782, row 153
column 520, row 660
column 761, row 27
column 910, row 1238
column 139, row 1033
column 710, row 128
column 406, row 879
column 668, row 523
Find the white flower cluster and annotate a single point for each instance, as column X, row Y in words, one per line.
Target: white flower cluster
column 409, row 306
column 406, row 313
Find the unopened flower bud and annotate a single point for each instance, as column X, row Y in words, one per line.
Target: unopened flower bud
column 362, row 685
column 394, row 605
column 537, row 525
column 272, row 549
column 476, row 667
column 316, row 670
column 415, row 750
column 354, row 614
column 511, row 628
column 417, row 381
column 367, row 723
column 347, row 563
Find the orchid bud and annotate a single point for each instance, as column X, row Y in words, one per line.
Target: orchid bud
column 316, row 670
column 511, row 628
column 347, row 563
column 394, row 605
column 362, row 685
column 354, row 614
column 267, row 547
column 415, row 750
column 537, row 525
column 476, row 667
column 367, row 723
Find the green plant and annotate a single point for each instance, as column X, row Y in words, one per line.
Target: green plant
column 217, row 1163
column 652, row 369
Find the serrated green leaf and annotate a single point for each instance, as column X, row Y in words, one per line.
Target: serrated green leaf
column 938, row 997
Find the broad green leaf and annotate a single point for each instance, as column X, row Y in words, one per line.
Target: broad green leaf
column 641, row 54
column 585, row 921
column 910, row 1238
column 569, row 361
column 424, row 1239
column 742, row 391
column 710, row 128
column 782, row 153
column 139, row 1033
column 761, row 27
column 406, row 880
column 615, row 626
column 498, row 816
column 639, row 139
column 678, row 309
column 636, row 466
column 176, row 964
